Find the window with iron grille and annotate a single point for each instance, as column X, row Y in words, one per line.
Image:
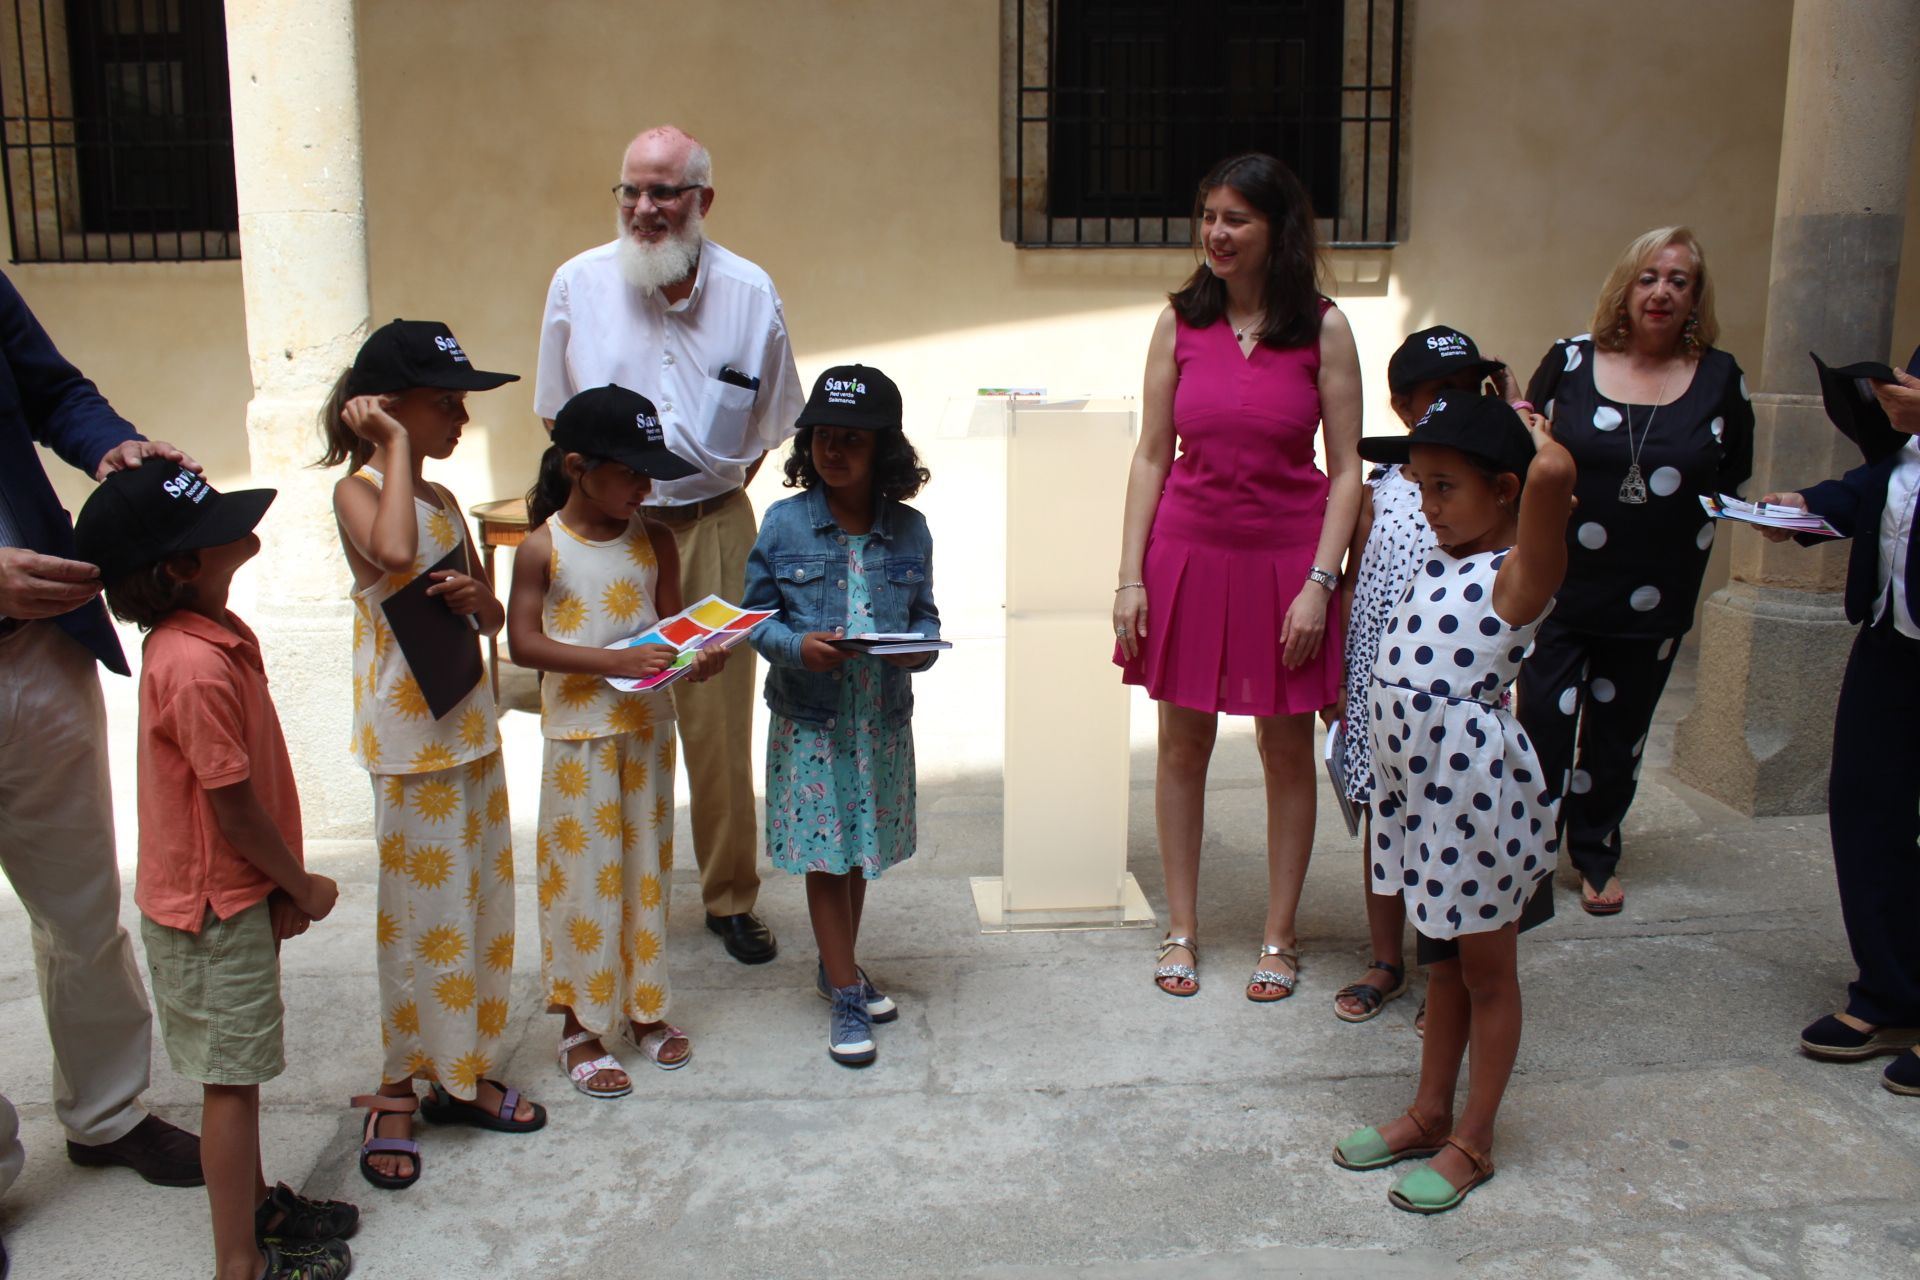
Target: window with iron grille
column 1116, row 108
column 116, row 130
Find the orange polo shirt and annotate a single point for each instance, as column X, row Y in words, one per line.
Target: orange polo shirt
column 206, row 721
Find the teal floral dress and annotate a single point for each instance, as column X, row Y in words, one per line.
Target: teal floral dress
column 841, row 799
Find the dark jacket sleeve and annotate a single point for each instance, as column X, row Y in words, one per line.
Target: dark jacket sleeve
column 1546, row 379
column 1736, row 413
column 1840, row 501
column 63, row 410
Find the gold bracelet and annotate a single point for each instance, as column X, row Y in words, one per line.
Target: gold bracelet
column 1123, row 586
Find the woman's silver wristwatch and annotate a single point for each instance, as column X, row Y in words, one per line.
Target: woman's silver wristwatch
column 1325, row 577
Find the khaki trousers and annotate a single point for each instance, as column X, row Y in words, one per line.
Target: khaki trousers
column 716, row 717
column 56, row 846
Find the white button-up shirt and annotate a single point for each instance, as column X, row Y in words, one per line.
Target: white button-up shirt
column 1896, row 534
column 598, row 329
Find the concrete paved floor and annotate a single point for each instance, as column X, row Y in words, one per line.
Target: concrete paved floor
column 1039, row 1110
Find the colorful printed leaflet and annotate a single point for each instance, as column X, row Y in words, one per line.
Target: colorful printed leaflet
column 708, row 623
column 1767, row 515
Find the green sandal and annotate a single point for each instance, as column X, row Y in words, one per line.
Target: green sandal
column 1370, row 998
column 1364, row 1149
column 1424, row 1191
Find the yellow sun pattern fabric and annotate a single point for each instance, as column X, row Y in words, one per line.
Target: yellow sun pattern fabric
column 444, row 924
column 603, row 901
column 597, row 593
column 393, row 731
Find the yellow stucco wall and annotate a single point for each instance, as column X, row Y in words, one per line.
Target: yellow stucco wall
column 856, row 151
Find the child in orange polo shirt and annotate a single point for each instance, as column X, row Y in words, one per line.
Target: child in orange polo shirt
column 220, row 881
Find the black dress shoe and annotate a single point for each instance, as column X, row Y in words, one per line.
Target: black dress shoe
column 746, row 938
column 164, row 1154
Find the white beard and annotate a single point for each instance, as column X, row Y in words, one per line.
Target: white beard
column 650, row 268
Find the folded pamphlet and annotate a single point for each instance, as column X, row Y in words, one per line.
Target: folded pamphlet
column 711, row 623
column 1767, row 515
column 1337, row 772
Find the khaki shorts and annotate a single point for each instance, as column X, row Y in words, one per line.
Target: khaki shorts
column 217, row 994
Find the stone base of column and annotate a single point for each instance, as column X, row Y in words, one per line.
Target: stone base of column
column 1760, row 734
column 305, row 620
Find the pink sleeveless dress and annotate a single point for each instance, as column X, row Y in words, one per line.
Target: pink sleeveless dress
column 1235, row 532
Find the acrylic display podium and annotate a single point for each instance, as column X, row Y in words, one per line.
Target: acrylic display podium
column 1064, row 858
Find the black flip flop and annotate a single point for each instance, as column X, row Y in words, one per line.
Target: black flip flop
column 441, row 1107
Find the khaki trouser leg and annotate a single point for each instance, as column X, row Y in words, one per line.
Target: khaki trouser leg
column 716, row 719
column 56, row 844
column 12, row 1154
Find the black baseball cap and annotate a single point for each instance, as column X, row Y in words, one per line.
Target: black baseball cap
column 1485, row 426
column 417, row 353
column 1846, row 392
column 621, row 426
column 142, row 515
column 853, row 395
column 1439, row 352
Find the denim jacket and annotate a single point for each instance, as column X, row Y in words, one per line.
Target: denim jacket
column 794, row 567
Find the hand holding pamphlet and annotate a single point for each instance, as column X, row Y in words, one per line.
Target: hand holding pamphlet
column 711, row 623
column 883, row 642
column 1767, row 515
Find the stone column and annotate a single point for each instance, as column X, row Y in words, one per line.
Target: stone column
column 1774, row 642
column 296, row 148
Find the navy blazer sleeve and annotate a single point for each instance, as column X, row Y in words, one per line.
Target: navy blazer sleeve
column 1841, row 501
column 44, row 398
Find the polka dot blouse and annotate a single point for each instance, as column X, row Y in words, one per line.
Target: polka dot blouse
column 1635, row 569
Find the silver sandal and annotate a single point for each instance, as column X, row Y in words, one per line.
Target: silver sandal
column 1271, row 978
column 1185, row 972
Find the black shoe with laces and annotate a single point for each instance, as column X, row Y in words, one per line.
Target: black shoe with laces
column 302, row 1221
column 328, row 1260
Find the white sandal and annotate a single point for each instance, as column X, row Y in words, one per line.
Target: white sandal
column 581, row 1073
column 655, row 1040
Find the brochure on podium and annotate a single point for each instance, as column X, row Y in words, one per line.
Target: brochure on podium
column 706, row 624
column 889, row 642
column 1337, row 772
column 1767, row 515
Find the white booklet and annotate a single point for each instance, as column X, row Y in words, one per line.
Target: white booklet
column 1337, row 772
column 889, row 642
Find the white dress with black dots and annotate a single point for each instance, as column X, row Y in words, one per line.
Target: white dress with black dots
column 1397, row 545
column 1464, row 826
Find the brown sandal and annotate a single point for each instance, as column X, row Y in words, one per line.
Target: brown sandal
column 1426, row 1191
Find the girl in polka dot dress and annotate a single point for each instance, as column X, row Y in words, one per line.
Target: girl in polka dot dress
column 1389, row 547
column 444, row 926
column 1464, row 829
column 592, row 572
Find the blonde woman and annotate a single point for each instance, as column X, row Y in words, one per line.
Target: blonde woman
column 1654, row 415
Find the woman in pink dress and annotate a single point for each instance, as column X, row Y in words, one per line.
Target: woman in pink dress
column 1230, row 552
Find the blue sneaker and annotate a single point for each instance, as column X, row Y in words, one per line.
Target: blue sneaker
column 850, row 1028
column 880, row 1008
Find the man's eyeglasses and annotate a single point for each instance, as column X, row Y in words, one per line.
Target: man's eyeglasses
column 659, row 194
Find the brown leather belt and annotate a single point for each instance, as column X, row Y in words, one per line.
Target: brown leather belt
column 688, row 512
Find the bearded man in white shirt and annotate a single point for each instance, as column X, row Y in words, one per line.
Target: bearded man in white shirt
column 699, row 330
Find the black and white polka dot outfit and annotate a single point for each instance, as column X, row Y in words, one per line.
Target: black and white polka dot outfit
column 1463, row 824
column 1588, row 692
column 1397, row 545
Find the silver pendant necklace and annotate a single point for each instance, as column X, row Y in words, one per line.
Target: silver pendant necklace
column 1633, row 488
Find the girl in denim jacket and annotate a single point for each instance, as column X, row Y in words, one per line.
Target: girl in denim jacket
column 844, row 556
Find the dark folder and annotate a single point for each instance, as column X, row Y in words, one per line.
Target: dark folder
column 441, row 647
